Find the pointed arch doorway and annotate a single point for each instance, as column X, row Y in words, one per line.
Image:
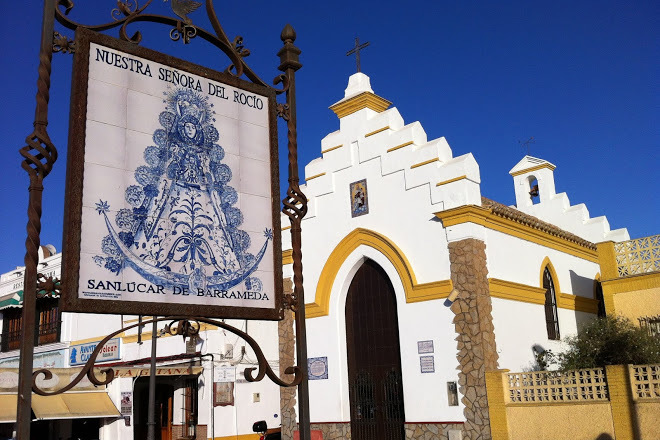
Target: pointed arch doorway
column 374, row 356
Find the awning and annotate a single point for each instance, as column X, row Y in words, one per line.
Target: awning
column 8, row 408
column 74, row 406
column 15, row 299
column 62, row 406
column 12, row 300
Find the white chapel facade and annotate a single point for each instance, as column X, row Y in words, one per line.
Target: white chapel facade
column 416, row 285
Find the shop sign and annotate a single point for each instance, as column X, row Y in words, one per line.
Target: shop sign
column 79, row 354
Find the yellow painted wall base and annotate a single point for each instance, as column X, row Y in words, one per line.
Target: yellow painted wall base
column 647, row 417
column 560, row 422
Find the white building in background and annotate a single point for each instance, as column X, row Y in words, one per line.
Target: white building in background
column 415, row 285
column 200, row 389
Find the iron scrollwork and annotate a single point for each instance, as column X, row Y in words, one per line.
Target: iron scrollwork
column 62, row 43
column 129, row 12
column 178, row 325
column 40, row 154
column 48, row 287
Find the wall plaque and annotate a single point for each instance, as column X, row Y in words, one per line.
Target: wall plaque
column 223, row 393
column 427, row 364
column 317, row 368
column 172, row 188
column 424, row 347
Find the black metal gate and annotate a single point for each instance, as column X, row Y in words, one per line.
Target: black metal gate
column 374, row 359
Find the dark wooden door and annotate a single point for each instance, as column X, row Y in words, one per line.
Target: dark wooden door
column 374, row 357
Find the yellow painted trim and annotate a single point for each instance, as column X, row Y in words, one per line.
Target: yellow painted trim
column 131, row 321
column 363, row 100
column 536, row 295
column 331, row 148
column 497, row 394
column 482, row 216
column 128, row 339
column 455, row 179
column 377, row 131
column 86, row 341
column 618, row 383
column 426, row 162
column 577, row 303
column 537, row 167
column 607, row 260
column 632, row 283
column 553, row 273
column 314, row 176
column 400, row 146
column 414, row 292
column 515, row 291
column 287, row 256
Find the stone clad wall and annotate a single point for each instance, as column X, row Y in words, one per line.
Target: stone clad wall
column 428, row 431
column 333, row 431
column 476, row 337
column 287, row 349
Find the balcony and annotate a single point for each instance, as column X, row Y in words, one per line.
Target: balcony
column 47, row 333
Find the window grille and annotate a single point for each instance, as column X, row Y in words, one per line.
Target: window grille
column 651, row 324
column 551, row 317
column 12, row 323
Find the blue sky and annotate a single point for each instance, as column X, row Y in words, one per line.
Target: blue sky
column 580, row 77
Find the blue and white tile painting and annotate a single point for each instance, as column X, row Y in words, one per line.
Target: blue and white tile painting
column 172, row 229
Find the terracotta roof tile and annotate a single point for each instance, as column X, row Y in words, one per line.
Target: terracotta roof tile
column 533, row 222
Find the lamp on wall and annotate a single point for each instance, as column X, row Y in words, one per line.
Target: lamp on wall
column 451, row 298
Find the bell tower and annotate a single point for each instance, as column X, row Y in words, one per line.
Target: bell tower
column 534, row 181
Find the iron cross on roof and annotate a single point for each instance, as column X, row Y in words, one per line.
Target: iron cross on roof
column 356, row 51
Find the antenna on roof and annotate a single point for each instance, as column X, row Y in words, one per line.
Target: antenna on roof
column 526, row 144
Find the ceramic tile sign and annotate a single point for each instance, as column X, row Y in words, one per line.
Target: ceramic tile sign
column 173, row 184
column 427, row 364
column 317, row 368
column 359, row 199
column 424, row 347
column 79, row 354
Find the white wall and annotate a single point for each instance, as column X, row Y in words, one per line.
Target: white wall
column 425, row 396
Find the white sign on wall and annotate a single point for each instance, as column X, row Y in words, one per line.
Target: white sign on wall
column 80, row 354
column 224, row 374
column 179, row 186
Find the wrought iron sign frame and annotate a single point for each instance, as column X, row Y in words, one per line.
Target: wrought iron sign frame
column 40, row 154
column 70, row 300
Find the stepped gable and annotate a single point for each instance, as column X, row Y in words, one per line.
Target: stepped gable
column 369, row 131
column 520, row 217
column 536, row 176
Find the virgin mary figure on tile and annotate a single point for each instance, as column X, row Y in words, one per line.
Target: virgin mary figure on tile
column 182, row 228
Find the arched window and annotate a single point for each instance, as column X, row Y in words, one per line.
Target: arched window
column 551, row 317
column 600, row 299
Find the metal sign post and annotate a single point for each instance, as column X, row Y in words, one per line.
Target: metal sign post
column 39, row 157
column 192, row 133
